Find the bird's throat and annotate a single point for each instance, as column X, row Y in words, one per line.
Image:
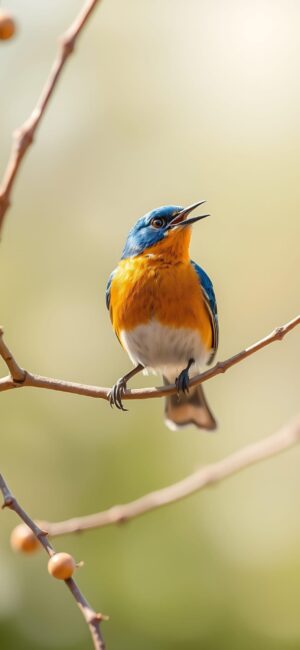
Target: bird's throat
column 173, row 248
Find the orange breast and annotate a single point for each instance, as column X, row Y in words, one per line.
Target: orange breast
column 145, row 288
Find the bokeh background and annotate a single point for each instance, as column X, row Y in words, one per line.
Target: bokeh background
column 166, row 101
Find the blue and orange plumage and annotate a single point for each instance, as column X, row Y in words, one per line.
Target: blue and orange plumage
column 163, row 310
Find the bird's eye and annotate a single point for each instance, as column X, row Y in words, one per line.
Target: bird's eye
column 158, row 222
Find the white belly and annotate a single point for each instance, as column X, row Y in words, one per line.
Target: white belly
column 164, row 350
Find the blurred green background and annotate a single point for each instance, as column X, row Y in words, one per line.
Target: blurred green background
column 166, row 101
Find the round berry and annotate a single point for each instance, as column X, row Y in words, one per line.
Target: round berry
column 23, row 539
column 7, row 26
column 61, row 566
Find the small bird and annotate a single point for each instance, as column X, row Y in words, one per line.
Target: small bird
column 163, row 310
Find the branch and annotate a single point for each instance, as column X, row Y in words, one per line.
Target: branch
column 17, row 374
column 91, row 617
column 24, row 136
column 204, row 477
column 25, row 378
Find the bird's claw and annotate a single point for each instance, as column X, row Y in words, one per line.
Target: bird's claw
column 116, row 394
column 182, row 382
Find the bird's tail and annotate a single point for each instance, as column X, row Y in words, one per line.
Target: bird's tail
column 186, row 409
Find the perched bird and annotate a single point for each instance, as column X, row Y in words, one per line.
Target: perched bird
column 163, row 310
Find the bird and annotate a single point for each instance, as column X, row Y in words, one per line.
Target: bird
column 163, row 310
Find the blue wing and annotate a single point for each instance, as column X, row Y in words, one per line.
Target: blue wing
column 211, row 304
column 107, row 290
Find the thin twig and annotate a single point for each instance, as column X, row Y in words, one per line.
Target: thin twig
column 38, row 381
column 17, row 373
column 204, row 477
column 23, row 136
column 91, row 617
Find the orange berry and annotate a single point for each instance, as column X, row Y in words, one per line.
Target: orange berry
column 23, row 539
column 61, row 566
column 7, row 26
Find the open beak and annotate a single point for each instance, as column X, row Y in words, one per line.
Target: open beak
column 181, row 217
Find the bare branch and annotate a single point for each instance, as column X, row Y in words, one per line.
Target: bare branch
column 17, row 373
column 23, row 137
column 38, row 381
column 91, row 617
column 204, row 477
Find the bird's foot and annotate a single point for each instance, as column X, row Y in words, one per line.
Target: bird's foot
column 118, row 389
column 182, row 382
column 116, row 394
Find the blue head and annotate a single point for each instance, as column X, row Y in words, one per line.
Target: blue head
column 155, row 226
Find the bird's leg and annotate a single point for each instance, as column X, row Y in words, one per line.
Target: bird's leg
column 117, row 391
column 182, row 381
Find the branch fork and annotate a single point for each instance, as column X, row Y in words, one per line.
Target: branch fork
column 20, row 378
column 92, row 618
